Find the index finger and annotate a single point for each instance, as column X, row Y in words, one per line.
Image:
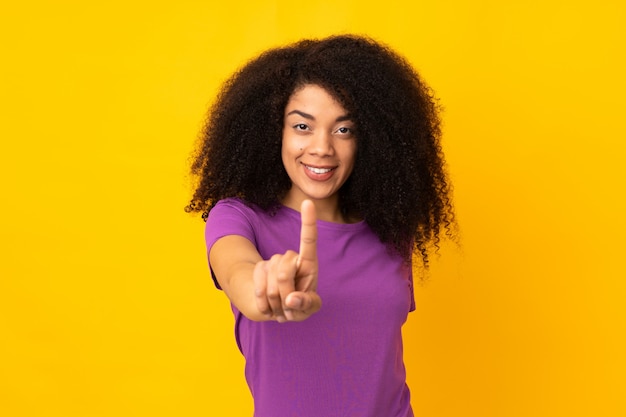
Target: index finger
column 308, row 232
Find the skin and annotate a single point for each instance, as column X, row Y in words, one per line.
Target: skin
column 282, row 288
column 318, row 152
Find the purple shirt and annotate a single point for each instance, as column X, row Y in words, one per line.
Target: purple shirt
column 345, row 360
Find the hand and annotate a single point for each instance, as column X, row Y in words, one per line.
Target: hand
column 286, row 285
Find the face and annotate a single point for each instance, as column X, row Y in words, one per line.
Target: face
column 318, row 147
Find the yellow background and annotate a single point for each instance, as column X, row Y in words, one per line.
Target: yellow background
column 106, row 305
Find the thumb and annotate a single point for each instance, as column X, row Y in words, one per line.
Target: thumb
column 308, row 302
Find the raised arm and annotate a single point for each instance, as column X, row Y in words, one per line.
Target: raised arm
column 282, row 288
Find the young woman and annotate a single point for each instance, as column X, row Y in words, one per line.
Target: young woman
column 321, row 175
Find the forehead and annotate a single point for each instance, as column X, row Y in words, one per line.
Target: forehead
column 314, row 97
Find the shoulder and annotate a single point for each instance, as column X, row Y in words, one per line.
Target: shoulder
column 237, row 216
column 231, row 216
column 231, row 203
column 233, row 208
column 270, row 231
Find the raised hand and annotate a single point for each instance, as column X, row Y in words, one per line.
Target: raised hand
column 286, row 285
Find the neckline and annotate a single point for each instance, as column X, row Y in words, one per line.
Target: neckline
column 323, row 223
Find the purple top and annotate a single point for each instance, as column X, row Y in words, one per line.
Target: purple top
column 345, row 360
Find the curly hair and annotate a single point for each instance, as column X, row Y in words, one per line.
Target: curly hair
column 399, row 184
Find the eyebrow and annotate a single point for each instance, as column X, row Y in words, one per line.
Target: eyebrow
column 310, row 117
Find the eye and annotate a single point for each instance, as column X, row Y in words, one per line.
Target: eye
column 345, row 131
column 301, row 126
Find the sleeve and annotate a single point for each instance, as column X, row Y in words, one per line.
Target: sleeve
column 228, row 217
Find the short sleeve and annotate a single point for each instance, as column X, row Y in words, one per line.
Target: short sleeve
column 228, row 217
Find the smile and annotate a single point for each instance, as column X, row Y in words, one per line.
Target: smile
column 318, row 170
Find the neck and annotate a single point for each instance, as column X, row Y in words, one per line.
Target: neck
column 326, row 209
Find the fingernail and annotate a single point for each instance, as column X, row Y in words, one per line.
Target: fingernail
column 297, row 303
column 281, row 319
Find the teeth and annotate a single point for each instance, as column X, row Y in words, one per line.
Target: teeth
column 319, row 170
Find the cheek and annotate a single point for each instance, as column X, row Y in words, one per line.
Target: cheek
column 284, row 155
column 350, row 154
column 288, row 152
column 292, row 146
column 284, row 146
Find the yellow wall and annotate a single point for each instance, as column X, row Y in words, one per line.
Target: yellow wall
column 106, row 305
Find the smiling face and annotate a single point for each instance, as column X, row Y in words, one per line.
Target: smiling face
column 318, row 149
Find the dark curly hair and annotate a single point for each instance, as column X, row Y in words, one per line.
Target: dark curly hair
column 398, row 186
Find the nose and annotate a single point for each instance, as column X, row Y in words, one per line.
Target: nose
column 321, row 144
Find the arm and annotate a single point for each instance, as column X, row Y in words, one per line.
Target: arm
column 282, row 288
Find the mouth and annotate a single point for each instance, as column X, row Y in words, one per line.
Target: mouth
column 318, row 170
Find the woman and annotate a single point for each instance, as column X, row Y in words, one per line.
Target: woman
column 320, row 176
